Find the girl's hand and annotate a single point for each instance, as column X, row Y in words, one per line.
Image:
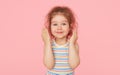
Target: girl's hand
column 74, row 36
column 45, row 35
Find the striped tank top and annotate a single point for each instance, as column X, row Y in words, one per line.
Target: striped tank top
column 61, row 66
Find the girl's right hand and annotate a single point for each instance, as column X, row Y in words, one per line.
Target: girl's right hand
column 45, row 35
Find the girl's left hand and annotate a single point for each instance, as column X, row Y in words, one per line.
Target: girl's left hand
column 74, row 36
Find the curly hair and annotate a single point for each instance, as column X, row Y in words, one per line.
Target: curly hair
column 66, row 12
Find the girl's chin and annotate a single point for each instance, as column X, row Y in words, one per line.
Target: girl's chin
column 59, row 37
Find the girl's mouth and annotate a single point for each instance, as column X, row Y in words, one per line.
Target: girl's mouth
column 59, row 32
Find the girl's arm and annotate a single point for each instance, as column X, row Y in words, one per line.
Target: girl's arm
column 48, row 57
column 74, row 59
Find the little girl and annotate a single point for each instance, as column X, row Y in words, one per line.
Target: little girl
column 61, row 51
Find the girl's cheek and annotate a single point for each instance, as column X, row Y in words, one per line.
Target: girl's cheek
column 67, row 30
column 53, row 31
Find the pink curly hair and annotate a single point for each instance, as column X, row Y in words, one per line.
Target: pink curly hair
column 66, row 12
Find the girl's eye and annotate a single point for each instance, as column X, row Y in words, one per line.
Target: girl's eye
column 63, row 23
column 54, row 24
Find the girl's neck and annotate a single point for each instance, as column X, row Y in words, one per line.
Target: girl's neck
column 61, row 41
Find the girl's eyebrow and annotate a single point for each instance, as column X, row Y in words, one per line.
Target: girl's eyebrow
column 64, row 20
column 54, row 21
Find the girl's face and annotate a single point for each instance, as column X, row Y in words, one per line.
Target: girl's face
column 59, row 26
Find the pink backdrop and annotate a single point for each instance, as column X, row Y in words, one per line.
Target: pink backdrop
column 21, row 46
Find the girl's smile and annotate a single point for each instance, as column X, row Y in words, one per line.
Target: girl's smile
column 59, row 32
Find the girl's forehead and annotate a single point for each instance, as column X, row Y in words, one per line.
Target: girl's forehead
column 59, row 18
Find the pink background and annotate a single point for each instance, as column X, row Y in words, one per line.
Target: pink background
column 21, row 46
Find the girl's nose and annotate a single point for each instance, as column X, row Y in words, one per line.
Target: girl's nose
column 59, row 27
